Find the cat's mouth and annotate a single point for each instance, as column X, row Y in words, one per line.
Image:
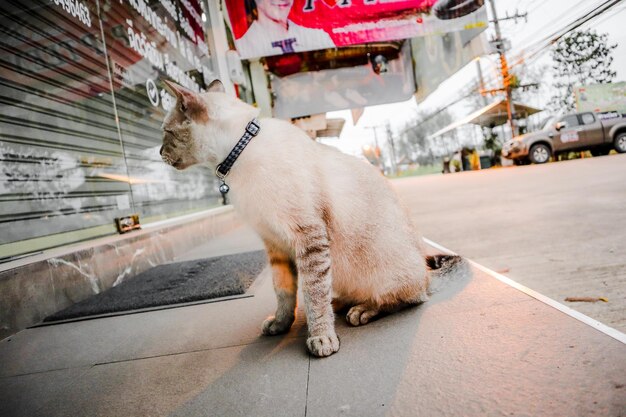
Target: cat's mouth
column 179, row 164
column 176, row 163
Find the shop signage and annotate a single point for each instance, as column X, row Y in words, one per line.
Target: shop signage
column 276, row 27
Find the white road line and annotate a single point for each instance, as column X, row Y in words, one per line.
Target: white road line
column 609, row 331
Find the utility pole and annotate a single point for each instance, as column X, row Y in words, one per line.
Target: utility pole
column 504, row 66
column 481, row 80
column 394, row 163
column 499, row 43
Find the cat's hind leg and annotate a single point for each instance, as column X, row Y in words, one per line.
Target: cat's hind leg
column 361, row 314
column 284, row 277
column 391, row 302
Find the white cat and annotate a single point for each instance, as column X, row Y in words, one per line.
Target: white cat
column 327, row 219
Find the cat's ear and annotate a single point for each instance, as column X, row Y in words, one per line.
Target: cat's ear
column 191, row 104
column 216, row 86
column 177, row 90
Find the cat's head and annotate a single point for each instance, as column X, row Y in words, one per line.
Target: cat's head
column 197, row 129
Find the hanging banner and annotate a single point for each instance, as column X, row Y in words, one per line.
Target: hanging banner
column 437, row 58
column 276, row 27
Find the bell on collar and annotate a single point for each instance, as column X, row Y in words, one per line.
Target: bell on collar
column 224, row 188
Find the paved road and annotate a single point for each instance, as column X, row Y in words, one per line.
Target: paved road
column 558, row 228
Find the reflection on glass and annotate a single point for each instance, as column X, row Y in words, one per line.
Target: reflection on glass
column 144, row 47
column 67, row 167
column 56, row 124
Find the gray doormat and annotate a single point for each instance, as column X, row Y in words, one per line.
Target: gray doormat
column 175, row 283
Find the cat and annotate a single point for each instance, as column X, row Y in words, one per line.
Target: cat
column 329, row 221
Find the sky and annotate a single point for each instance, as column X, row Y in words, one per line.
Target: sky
column 544, row 17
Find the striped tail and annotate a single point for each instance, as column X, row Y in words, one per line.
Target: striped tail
column 446, row 269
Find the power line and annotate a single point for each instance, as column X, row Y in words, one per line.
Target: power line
column 542, row 44
column 566, row 16
column 469, row 92
column 607, row 17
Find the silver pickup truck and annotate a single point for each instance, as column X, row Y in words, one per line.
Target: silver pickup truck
column 596, row 132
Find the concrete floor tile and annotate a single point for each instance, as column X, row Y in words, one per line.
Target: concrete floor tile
column 530, row 359
column 363, row 377
column 29, row 395
column 518, row 358
column 197, row 327
column 204, row 326
column 264, row 379
column 57, row 347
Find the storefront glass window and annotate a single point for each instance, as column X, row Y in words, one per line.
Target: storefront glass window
column 82, row 102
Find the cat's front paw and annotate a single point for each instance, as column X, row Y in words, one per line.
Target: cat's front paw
column 272, row 326
column 322, row 346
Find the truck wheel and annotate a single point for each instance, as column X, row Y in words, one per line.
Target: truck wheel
column 539, row 154
column 620, row 142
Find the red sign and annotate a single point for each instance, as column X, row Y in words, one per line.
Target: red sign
column 275, row 27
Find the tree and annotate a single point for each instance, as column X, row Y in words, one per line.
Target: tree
column 580, row 58
column 414, row 144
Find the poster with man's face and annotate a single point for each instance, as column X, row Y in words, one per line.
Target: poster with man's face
column 276, row 27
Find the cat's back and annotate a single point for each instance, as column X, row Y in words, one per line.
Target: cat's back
column 356, row 195
column 284, row 137
column 287, row 172
column 282, row 131
column 347, row 182
column 292, row 154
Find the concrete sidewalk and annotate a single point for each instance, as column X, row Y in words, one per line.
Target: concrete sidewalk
column 477, row 348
